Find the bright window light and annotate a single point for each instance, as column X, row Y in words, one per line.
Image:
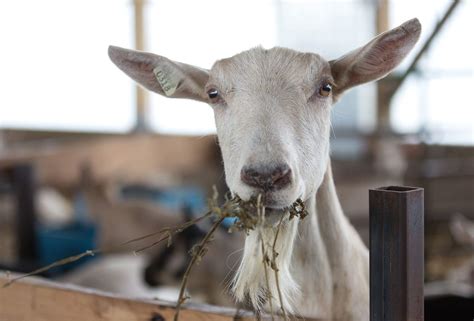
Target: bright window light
column 55, row 72
column 436, row 101
column 200, row 34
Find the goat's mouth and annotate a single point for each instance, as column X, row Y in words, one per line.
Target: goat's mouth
column 271, row 210
column 274, row 214
column 297, row 208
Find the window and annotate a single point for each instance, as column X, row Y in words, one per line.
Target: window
column 436, row 101
column 55, row 72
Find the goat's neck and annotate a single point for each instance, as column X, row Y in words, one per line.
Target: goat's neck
column 326, row 254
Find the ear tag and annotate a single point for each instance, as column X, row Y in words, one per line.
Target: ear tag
column 167, row 79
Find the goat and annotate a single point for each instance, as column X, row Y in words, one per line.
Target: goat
column 272, row 112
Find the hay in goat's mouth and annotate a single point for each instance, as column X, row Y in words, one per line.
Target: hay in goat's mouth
column 250, row 215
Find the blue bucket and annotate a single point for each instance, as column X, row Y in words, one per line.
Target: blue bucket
column 56, row 243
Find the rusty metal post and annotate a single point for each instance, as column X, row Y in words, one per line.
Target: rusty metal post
column 396, row 254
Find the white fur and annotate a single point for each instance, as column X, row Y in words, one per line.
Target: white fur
column 250, row 282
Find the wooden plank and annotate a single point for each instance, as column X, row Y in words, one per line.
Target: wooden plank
column 396, row 254
column 40, row 300
column 134, row 157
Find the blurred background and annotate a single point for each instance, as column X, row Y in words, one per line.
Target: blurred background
column 88, row 159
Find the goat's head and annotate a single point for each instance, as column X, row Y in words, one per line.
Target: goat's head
column 272, row 107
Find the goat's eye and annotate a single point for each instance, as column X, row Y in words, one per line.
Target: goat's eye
column 213, row 93
column 215, row 97
column 325, row 90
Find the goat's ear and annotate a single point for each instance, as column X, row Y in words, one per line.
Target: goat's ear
column 161, row 75
column 377, row 58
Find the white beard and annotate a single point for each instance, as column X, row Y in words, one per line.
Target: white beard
column 250, row 283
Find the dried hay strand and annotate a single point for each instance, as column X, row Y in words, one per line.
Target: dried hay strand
column 250, row 215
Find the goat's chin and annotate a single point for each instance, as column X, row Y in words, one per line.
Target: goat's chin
column 250, row 282
column 274, row 215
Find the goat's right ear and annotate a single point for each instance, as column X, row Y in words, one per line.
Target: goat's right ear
column 161, row 75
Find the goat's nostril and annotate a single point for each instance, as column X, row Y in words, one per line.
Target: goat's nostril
column 279, row 173
column 254, row 174
column 266, row 178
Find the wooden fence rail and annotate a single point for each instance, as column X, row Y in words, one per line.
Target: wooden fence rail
column 40, row 300
column 396, row 277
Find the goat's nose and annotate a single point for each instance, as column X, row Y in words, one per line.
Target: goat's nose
column 266, row 178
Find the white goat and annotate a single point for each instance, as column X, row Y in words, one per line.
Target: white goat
column 272, row 111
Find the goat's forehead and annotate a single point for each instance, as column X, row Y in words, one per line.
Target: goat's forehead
column 257, row 64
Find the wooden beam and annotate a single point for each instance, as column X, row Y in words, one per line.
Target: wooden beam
column 382, row 20
column 382, row 24
column 141, row 94
column 39, row 300
column 135, row 157
column 42, row 300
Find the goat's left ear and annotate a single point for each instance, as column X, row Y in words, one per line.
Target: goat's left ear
column 161, row 75
column 377, row 58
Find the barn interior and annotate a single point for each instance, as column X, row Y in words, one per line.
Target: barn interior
column 89, row 160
